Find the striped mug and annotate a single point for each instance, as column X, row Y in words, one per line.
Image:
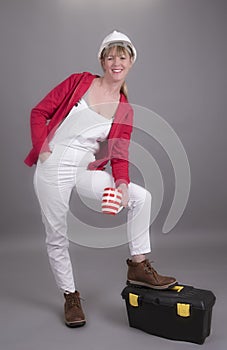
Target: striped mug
column 111, row 201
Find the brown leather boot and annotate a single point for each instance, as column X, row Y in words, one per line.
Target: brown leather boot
column 144, row 274
column 74, row 316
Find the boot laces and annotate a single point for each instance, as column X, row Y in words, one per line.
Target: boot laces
column 73, row 300
column 149, row 269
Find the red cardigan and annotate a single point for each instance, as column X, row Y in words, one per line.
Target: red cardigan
column 49, row 113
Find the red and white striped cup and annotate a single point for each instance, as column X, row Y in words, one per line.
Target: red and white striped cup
column 111, row 201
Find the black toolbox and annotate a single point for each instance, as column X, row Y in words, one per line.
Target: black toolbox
column 178, row 313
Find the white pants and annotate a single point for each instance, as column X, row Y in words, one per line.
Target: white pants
column 53, row 182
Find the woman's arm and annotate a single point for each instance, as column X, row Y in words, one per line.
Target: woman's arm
column 119, row 156
column 45, row 110
column 125, row 196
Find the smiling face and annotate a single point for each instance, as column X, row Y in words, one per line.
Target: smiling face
column 116, row 63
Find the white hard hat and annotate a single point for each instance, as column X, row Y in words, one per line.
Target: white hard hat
column 118, row 39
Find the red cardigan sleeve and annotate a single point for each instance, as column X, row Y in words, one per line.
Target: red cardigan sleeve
column 45, row 110
column 120, row 152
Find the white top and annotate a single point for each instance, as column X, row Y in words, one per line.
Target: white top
column 79, row 134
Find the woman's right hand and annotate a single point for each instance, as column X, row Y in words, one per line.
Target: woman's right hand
column 44, row 156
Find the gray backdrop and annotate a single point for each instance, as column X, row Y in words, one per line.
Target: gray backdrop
column 180, row 74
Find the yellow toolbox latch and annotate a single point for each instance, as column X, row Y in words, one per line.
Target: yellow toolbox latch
column 133, row 299
column 178, row 289
column 183, row 310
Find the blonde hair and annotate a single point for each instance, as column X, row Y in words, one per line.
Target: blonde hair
column 120, row 50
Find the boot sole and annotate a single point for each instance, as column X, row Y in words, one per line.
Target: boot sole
column 143, row 284
column 75, row 324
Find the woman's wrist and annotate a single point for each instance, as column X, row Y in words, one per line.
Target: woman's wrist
column 44, row 156
column 123, row 185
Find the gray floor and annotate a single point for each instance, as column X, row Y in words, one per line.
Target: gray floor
column 31, row 306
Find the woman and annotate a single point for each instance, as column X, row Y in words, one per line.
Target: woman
column 76, row 129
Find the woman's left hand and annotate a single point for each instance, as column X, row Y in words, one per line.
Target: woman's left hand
column 125, row 197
